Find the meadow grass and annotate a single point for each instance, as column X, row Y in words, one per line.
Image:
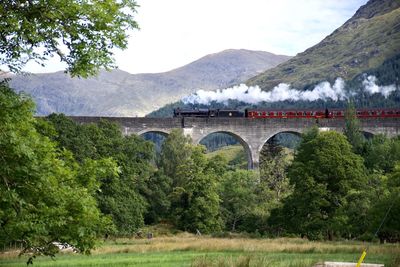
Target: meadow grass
column 188, row 250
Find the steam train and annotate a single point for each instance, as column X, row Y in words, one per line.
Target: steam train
column 287, row 114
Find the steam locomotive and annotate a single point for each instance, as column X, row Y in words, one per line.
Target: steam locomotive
column 206, row 113
column 287, row 114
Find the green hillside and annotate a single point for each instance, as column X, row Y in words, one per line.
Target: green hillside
column 234, row 155
column 364, row 42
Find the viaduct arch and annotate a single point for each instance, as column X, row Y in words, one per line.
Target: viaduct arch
column 251, row 133
column 237, row 136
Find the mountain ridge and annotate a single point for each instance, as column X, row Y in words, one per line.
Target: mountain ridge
column 363, row 42
column 119, row 93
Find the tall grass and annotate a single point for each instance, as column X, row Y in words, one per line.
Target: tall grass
column 187, row 242
column 249, row 261
column 189, row 250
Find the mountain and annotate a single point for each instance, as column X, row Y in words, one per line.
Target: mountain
column 118, row 93
column 362, row 43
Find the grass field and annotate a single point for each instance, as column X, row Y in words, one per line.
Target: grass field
column 189, row 250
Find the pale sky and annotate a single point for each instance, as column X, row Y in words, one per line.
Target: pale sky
column 176, row 32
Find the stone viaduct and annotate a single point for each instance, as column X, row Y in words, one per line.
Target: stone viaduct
column 251, row 133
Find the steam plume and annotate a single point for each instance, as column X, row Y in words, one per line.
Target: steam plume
column 283, row 91
column 372, row 88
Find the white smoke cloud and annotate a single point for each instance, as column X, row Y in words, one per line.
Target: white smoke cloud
column 371, row 87
column 283, row 91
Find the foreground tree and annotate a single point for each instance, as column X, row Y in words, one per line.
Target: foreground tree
column 44, row 195
column 386, row 209
column 82, row 33
column 274, row 162
column 174, row 151
column 323, row 173
column 352, row 129
column 122, row 197
column 187, row 185
column 382, row 153
column 195, row 202
column 238, row 197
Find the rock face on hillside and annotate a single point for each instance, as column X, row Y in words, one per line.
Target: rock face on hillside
column 118, row 93
column 364, row 42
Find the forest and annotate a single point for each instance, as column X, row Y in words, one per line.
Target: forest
column 77, row 183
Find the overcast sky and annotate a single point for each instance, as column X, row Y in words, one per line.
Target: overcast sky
column 176, row 32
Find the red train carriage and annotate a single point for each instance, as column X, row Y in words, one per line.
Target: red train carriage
column 316, row 114
column 271, row 114
column 288, row 114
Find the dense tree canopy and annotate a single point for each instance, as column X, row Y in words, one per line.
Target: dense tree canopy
column 238, row 197
column 82, row 33
column 195, row 201
column 175, row 150
column 387, row 208
column 323, row 173
column 274, row 161
column 382, row 153
column 44, row 195
column 123, row 197
column 185, row 187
